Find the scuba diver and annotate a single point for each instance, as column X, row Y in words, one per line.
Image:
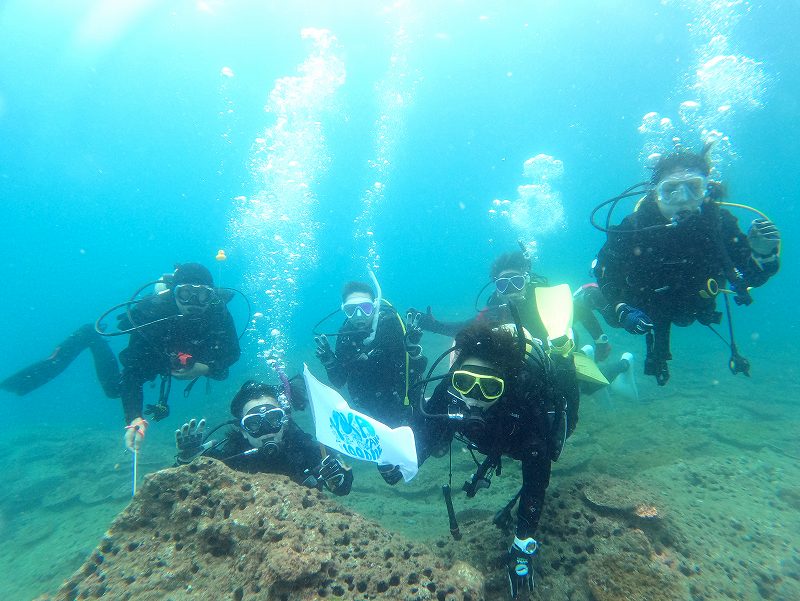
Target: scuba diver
column 667, row 261
column 502, row 396
column 546, row 312
column 265, row 439
column 184, row 332
column 377, row 356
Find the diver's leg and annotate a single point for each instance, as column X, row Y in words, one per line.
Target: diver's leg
column 41, row 372
column 611, row 371
column 106, row 366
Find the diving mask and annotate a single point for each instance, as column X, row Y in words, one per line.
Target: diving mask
column 510, row 284
column 363, row 309
column 263, row 420
column 682, row 189
column 194, row 294
column 490, row 387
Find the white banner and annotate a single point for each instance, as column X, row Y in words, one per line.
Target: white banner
column 356, row 435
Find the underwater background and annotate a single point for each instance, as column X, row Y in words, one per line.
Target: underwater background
column 310, row 140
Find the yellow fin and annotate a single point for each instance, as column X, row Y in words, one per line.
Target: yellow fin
column 554, row 304
column 587, row 370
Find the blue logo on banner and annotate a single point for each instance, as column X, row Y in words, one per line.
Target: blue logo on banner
column 356, row 436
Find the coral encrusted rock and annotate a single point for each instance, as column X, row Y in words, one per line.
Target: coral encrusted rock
column 203, row 531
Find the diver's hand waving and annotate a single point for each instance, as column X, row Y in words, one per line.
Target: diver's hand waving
column 189, row 441
column 764, row 238
column 413, row 333
column 331, row 473
column 633, row 320
column 324, row 351
column 424, row 320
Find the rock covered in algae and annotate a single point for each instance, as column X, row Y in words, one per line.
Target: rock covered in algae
column 632, row 577
column 204, row 531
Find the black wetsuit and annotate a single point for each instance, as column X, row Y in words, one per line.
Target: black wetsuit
column 295, row 453
column 663, row 270
column 526, row 424
column 375, row 374
column 209, row 338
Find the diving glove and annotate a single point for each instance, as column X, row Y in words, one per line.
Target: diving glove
column 324, row 351
column 390, row 473
column 157, row 412
column 764, row 237
column 332, row 474
column 413, row 333
column 633, row 320
column 519, row 564
column 189, row 441
column 426, row 320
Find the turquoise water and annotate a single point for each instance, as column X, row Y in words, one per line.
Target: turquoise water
column 134, row 135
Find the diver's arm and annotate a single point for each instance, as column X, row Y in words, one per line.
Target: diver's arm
column 416, row 368
column 755, row 268
column 131, row 395
column 226, row 349
column 337, row 372
column 611, row 270
column 448, row 328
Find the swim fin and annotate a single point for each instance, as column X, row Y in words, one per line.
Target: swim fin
column 624, row 385
column 586, row 369
column 554, row 304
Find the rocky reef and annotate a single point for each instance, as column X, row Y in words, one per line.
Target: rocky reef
column 204, row 531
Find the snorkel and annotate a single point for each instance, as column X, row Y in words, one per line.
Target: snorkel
column 378, row 299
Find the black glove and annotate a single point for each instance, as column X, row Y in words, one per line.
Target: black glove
column 189, row 441
column 633, row 320
column 413, row 333
column 324, row 351
column 764, row 237
column 390, row 473
column 742, row 293
column 157, row 412
column 332, row 474
column 519, row 564
column 425, row 320
column 413, row 329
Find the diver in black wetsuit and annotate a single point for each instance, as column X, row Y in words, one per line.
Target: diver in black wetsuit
column 667, row 261
column 378, row 356
column 183, row 332
column 502, row 401
column 265, row 439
